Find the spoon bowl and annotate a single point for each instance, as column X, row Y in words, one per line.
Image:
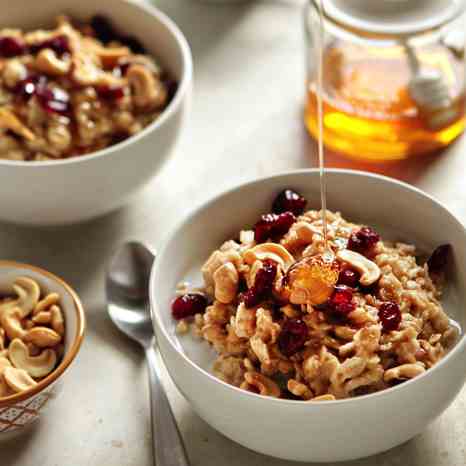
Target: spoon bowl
column 127, row 297
column 127, row 288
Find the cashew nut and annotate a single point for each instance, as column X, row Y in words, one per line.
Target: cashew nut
column 28, row 292
column 148, row 92
column 48, row 62
column 18, row 379
column 35, row 366
column 46, row 303
column 43, row 317
column 110, row 56
column 226, row 281
column 273, row 251
column 8, row 120
column 43, row 337
column 14, row 72
column 58, row 322
column 405, row 371
column 11, row 322
column 254, row 381
column 369, row 270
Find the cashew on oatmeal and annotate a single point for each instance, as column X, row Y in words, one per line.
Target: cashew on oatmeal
column 32, row 329
column 75, row 89
column 287, row 323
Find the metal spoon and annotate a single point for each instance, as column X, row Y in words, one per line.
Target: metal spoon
column 127, row 285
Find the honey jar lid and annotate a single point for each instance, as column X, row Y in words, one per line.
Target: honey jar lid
column 392, row 17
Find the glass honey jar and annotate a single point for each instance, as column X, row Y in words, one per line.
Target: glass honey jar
column 393, row 75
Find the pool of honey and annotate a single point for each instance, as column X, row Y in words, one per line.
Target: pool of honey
column 368, row 112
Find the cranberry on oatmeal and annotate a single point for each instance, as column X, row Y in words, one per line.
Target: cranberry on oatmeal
column 75, row 89
column 286, row 323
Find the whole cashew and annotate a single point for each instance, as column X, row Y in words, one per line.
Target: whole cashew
column 148, row 92
column 28, row 292
column 264, row 385
column 405, row 371
column 369, row 270
column 35, row 366
column 43, row 337
column 48, row 62
column 46, row 303
column 11, row 323
column 43, row 317
column 18, row 379
column 273, row 251
column 226, row 281
column 58, row 322
column 109, row 56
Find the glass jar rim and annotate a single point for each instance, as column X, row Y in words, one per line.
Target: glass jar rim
column 363, row 27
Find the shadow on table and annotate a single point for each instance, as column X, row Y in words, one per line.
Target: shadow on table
column 410, row 170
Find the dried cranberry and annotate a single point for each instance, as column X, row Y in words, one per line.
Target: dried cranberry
column 12, row 47
column 349, row 277
column 439, row 258
column 188, row 305
column 292, row 337
column 133, row 43
column 289, row 201
column 27, row 87
column 390, row 316
column 263, row 284
column 363, row 240
column 341, row 300
column 103, row 29
column 110, row 92
column 273, row 225
column 59, row 44
column 53, row 99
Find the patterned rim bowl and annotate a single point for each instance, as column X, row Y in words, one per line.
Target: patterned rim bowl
column 20, row 410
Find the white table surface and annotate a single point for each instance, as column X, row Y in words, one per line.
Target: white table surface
column 246, row 122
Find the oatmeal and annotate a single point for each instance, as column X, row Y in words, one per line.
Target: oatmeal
column 32, row 329
column 288, row 323
column 75, row 89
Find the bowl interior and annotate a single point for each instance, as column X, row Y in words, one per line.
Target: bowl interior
column 128, row 17
column 73, row 314
column 398, row 211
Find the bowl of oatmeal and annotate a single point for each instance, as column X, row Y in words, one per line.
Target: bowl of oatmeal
column 41, row 330
column 307, row 352
column 92, row 100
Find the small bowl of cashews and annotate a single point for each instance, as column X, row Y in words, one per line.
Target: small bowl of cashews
column 93, row 98
column 308, row 359
column 41, row 330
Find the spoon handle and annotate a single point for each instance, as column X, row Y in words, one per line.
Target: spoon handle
column 167, row 442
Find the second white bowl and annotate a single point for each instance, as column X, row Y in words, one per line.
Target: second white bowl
column 80, row 188
column 296, row 430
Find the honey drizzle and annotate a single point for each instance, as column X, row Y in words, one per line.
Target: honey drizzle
column 320, row 122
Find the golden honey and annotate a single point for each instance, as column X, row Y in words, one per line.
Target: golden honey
column 368, row 111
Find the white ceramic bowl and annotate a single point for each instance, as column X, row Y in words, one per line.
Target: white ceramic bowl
column 295, row 430
column 20, row 410
column 81, row 188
